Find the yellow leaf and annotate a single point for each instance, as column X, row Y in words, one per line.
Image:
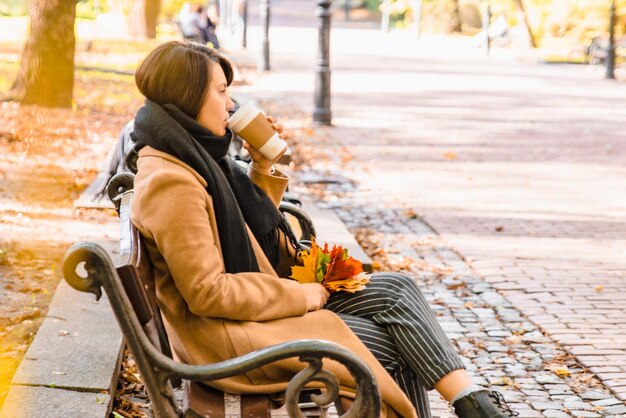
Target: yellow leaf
column 560, row 370
column 469, row 305
column 599, row 288
column 411, row 214
column 513, row 339
column 306, row 272
column 449, row 155
column 303, row 274
column 351, row 285
column 503, row 381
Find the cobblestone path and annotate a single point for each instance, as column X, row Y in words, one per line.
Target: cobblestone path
column 501, row 347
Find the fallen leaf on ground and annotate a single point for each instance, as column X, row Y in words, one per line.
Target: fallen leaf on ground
column 513, row 339
column 503, row 381
column 560, row 370
column 411, row 214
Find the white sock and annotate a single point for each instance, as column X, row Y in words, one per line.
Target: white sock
column 470, row 389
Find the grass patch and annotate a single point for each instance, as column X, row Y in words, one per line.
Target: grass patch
column 8, row 70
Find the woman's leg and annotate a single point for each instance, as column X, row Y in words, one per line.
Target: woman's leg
column 377, row 339
column 394, row 302
column 424, row 353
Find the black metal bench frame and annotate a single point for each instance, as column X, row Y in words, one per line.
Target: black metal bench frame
column 130, row 291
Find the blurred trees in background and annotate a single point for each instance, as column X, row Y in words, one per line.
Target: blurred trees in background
column 46, row 74
column 13, row 8
column 143, row 18
column 47, row 61
column 579, row 19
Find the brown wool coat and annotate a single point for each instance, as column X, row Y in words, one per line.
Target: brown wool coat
column 213, row 316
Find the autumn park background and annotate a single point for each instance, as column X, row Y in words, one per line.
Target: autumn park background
column 67, row 89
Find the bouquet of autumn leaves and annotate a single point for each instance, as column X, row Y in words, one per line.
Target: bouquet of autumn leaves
column 334, row 269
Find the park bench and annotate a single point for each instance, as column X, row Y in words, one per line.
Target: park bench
column 131, row 293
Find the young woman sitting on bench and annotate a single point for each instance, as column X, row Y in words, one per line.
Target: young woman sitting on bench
column 214, row 236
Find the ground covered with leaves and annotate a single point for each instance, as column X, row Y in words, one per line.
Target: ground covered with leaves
column 47, row 158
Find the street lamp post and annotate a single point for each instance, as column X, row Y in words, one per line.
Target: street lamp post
column 610, row 52
column 224, row 15
column 418, row 8
column 244, row 18
column 264, row 59
column 321, row 113
column 486, row 24
column 384, row 20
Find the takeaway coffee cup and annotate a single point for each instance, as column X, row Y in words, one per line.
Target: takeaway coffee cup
column 253, row 127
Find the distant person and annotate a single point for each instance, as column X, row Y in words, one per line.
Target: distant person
column 196, row 25
column 208, row 26
column 216, row 239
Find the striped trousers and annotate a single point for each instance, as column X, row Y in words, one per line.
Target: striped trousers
column 395, row 322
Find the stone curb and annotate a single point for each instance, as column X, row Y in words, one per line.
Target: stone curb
column 71, row 367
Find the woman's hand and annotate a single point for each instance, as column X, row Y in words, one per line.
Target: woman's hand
column 316, row 296
column 259, row 161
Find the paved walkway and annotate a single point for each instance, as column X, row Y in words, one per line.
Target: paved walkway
column 501, row 176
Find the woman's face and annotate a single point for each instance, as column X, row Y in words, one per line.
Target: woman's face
column 214, row 111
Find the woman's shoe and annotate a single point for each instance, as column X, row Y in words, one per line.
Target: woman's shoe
column 483, row 404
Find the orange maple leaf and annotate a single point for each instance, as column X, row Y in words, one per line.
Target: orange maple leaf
column 342, row 268
column 332, row 268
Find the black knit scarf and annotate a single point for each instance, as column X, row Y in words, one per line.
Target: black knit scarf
column 235, row 198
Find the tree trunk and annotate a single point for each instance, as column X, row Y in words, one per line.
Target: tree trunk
column 455, row 19
column 143, row 18
column 522, row 10
column 46, row 75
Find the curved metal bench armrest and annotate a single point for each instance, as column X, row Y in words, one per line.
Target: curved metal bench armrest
column 304, row 220
column 118, row 185
column 102, row 273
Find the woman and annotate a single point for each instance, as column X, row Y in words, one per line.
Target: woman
column 215, row 236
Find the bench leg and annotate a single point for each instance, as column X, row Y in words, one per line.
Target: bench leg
column 202, row 401
column 255, row 406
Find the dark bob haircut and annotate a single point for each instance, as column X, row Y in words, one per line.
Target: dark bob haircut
column 179, row 73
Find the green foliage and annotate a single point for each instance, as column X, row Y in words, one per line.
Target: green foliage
column 439, row 16
column 85, row 9
column 13, row 8
column 400, row 12
column 372, row 4
column 7, row 75
column 90, row 9
column 170, row 8
column 579, row 20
